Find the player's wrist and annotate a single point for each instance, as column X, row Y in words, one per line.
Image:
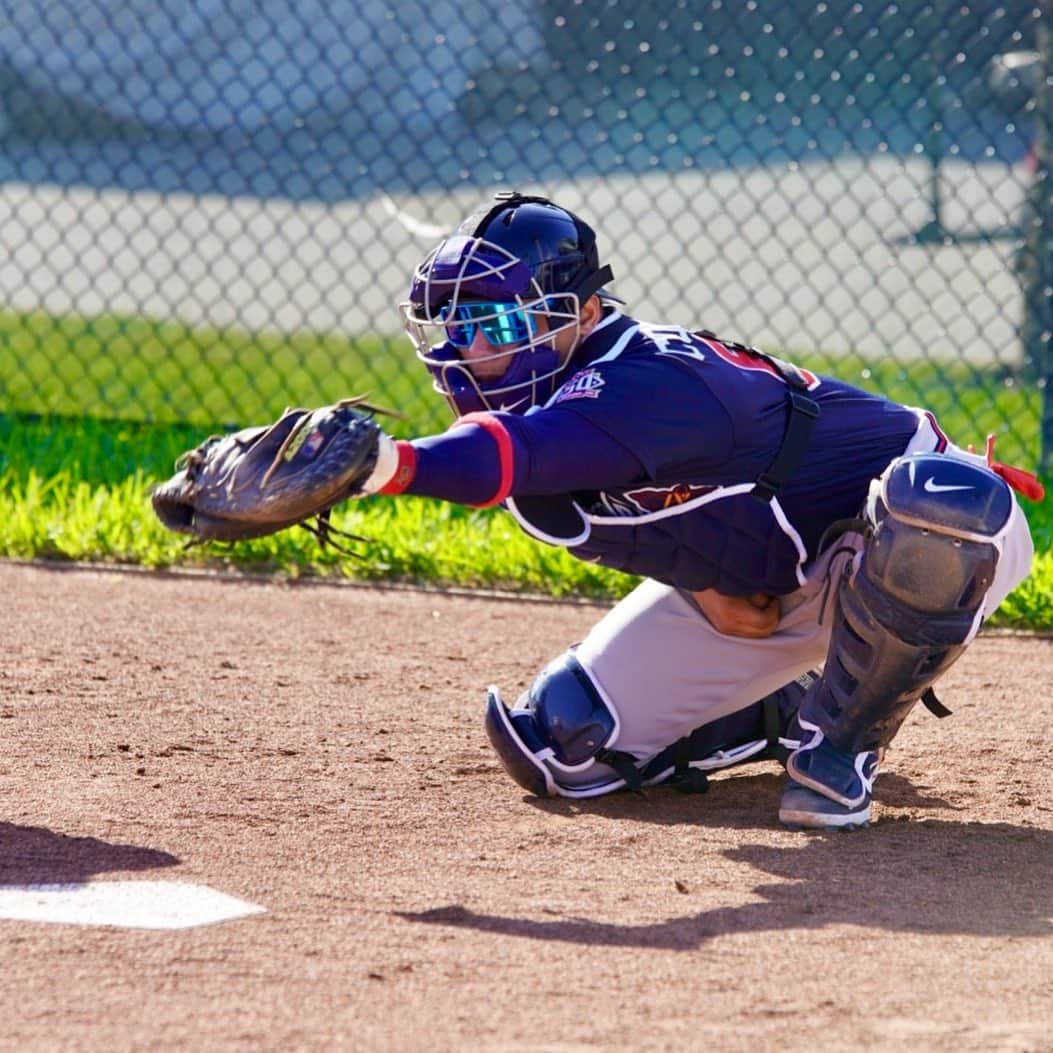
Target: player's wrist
column 394, row 469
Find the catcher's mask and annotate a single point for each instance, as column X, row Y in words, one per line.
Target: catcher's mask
column 519, row 271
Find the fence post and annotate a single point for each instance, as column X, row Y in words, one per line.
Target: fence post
column 1037, row 330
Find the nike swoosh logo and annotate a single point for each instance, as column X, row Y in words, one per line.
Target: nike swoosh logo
column 934, row 487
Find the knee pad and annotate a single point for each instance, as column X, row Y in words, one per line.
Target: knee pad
column 914, row 600
column 550, row 741
column 938, row 524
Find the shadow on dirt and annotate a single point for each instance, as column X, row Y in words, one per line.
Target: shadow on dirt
column 743, row 799
column 923, row 875
column 34, row 855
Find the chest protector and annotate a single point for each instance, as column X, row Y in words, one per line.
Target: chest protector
column 731, row 538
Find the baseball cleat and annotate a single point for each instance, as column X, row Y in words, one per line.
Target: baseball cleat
column 827, row 789
column 804, row 809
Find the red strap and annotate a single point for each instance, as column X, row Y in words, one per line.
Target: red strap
column 406, row 470
column 941, row 438
column 1023, row 482
column 496, row 430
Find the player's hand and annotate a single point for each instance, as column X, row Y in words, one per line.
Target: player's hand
column 755, row 616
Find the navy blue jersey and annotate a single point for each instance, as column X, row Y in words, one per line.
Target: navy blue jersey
column 646, row 457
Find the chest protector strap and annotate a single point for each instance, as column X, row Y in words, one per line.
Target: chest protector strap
column 804, row 412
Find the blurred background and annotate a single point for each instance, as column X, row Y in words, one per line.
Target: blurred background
column 210, row 210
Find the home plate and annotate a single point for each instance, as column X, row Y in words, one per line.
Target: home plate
column 123, row 904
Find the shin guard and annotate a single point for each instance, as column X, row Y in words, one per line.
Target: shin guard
column 912, row 600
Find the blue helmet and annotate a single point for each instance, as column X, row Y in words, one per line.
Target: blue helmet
column 519, row 269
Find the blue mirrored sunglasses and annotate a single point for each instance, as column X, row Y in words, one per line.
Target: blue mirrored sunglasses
column 502, row 323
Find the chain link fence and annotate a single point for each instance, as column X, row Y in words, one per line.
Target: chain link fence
column 210, row 210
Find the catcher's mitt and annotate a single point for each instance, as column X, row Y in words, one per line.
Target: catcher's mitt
column 261, row 480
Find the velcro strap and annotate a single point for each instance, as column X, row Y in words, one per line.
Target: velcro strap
column 593, row 283
column 685, row 778
column 804, row 412
column 773, row 728
column 625, row 765
column 933, row 704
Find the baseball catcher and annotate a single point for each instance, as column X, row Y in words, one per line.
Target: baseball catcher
column 814, row 556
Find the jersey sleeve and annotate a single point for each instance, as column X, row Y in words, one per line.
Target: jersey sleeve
column 660, row 409
column 487, row 457
column 610, row 425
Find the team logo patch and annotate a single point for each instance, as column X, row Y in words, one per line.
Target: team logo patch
column 584, row 385
column 646, row 499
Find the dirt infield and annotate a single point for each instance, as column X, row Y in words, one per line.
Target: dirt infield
column 318, row 752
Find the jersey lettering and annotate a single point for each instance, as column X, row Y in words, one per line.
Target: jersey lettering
column 743, row 360
column 673, row 340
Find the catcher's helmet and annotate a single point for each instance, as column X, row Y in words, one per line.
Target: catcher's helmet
column 511, row 265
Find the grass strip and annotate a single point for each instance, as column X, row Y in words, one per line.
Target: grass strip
column 89, row 500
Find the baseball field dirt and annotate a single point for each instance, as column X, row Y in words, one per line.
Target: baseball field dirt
column 317, row 753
